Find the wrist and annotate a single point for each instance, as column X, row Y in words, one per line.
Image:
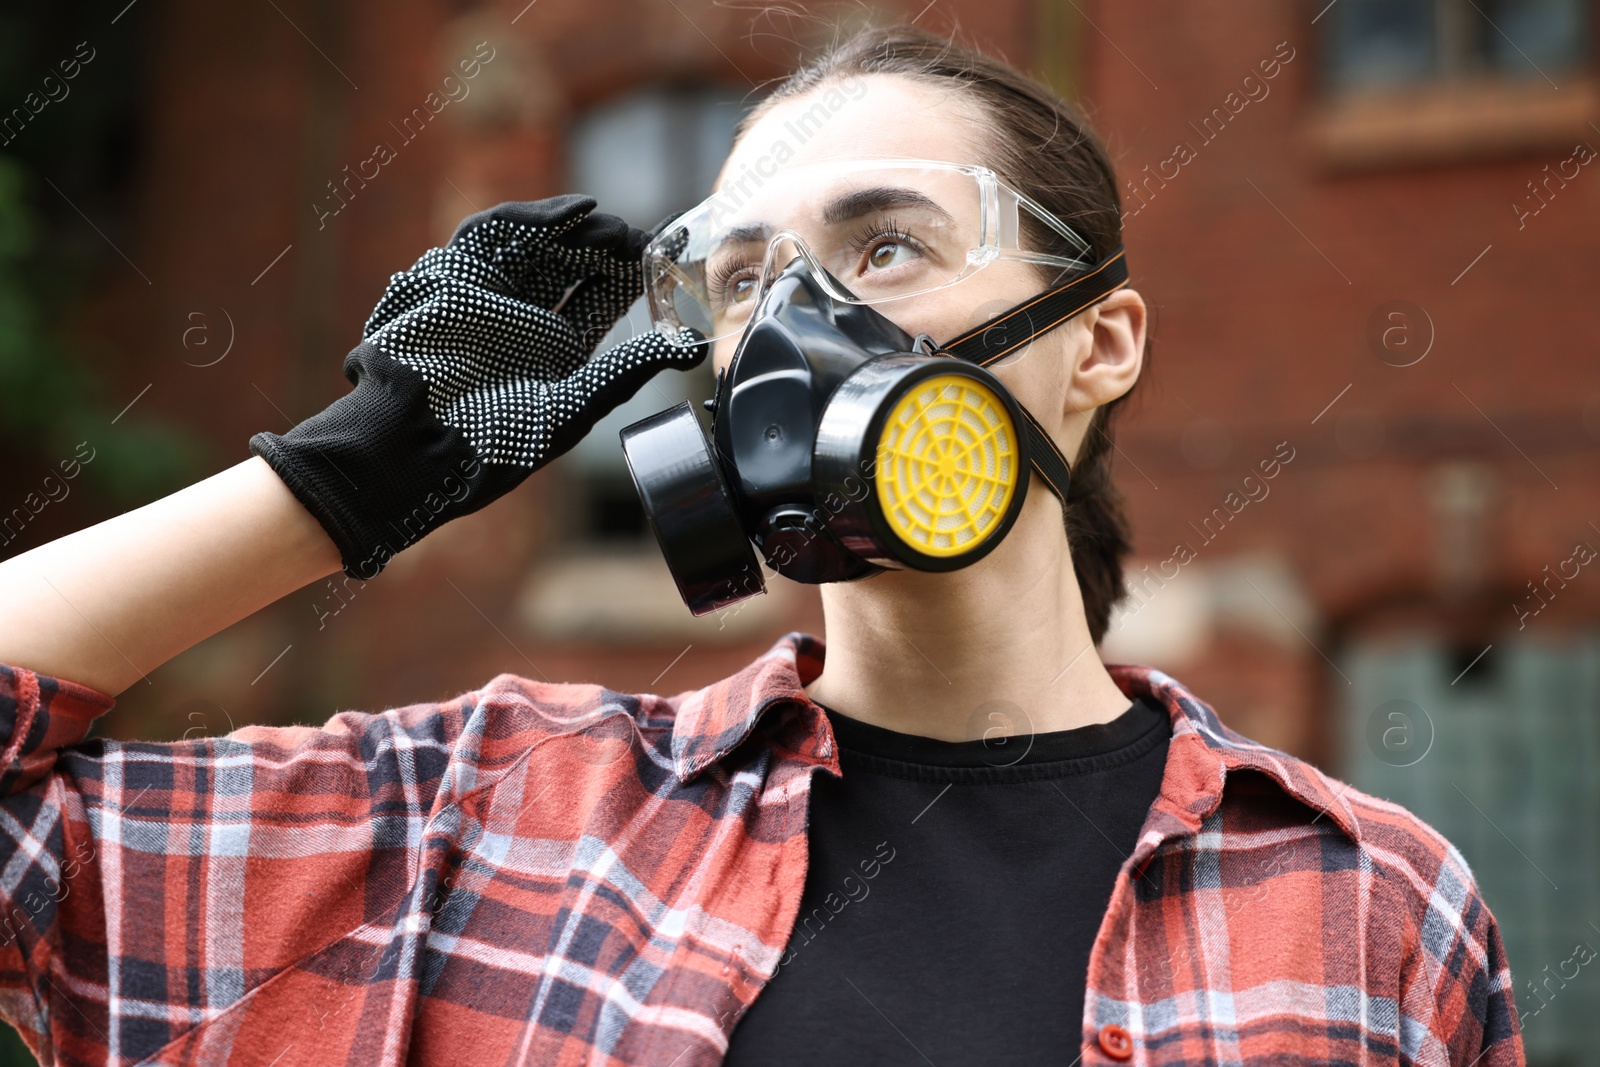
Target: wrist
column 376, row 469
column 307, row 552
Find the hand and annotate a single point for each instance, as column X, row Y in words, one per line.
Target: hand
column 472, row 373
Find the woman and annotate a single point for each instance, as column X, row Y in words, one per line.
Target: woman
column 553, row 873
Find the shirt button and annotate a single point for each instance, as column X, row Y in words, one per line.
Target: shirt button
column 1115, row 1042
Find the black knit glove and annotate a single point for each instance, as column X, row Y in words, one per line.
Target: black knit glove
column 472, row 373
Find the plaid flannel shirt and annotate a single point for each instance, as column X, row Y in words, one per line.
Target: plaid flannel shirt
column 537, row 873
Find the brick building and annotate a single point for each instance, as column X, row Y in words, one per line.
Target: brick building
column 1363, row 468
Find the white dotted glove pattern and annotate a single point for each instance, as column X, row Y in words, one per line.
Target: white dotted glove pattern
column 515, row 378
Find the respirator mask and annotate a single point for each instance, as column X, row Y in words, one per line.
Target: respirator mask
column 840, row 445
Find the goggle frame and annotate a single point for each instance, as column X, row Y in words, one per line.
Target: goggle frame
column 999, row 233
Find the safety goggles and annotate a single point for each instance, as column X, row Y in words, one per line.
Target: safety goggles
column 873, row 231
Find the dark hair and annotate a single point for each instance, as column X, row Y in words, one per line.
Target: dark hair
column 1042, row 145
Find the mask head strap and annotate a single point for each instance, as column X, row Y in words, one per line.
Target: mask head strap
column 1011, row 330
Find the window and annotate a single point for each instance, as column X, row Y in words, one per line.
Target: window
column 1380, row 43
column 642, row 157
column 1497, row 750
column 1436, row 81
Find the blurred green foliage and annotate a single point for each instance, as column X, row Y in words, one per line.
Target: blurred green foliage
column 51, row 396
column 13, row 1053
column 49, row 401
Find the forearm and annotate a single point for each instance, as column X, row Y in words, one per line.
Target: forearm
column 107, row 605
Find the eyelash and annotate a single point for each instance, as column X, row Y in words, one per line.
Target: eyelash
column 718, row 282
column 891, row 230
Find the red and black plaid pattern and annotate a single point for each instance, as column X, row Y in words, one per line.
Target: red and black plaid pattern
column 537, row 873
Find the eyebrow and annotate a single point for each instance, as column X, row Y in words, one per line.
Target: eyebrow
column 747, row 233
column 843, row 208
column 858, row 203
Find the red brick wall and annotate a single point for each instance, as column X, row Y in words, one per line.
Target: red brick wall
column 1260, row 327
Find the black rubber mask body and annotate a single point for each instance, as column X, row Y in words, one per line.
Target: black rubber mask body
column 768, row 405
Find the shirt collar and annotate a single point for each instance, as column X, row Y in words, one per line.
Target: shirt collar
column 1203, row 753
column 711, row 722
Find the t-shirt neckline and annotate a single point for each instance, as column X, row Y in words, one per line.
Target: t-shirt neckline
column 1079, row 743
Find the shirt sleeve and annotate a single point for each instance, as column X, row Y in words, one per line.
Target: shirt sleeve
column 1498, row 1041
column 1457, row 987
column 175, row 877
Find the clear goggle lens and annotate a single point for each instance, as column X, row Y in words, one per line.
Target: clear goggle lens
column 873, row 232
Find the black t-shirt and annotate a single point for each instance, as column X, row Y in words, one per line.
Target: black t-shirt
column 953, row 893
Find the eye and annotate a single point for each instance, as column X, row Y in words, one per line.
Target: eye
column 732, row 283
column 885, row 246
column 888, row 254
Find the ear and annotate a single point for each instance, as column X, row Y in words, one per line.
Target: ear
column 1109, row 365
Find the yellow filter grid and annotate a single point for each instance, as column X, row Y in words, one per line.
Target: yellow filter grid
column 947, row 465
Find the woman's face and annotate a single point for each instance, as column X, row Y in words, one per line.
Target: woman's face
column 885, row 116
